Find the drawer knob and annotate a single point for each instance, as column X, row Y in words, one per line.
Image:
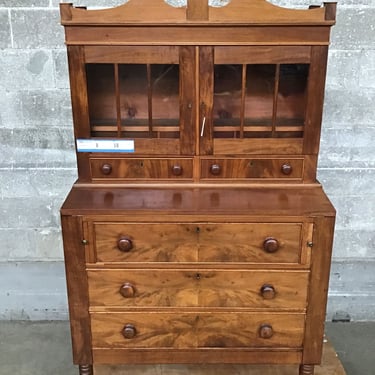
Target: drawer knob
column 286, row 169
column 215, row 169
column 270, row 245
column 127, row 290
column 106, row 169
column 129, row 331
column 125, row 244
column 267, row 291
column 265, row 331
column 177, row 170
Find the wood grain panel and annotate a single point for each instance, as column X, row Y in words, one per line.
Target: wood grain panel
column 132, row 54
column 204, row 288
column 244, row 243
column 196, row 330
column 262, row 55
column 140, row 169
column 198, row 242
column 151, row 242
column 258, row 146
column 252, row 168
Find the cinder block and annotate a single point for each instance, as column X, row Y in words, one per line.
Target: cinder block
column 367, row 68
column 46, row 108
column 352, row 243
column 355, row 28
column 35, row 183
column 43, row 244
column 36, row 28
column 24, row 3
column 22, row 70
column 37, row 147
column 343, row 69
column 61, row 69
column 5, row 35
column 348, row 182
column 11, row 110
column 348, row 146
column 30, row 213
column 349, row 106
column 354, row 212
column 33, row 290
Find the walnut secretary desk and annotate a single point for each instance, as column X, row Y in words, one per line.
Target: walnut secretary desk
column 197, row 231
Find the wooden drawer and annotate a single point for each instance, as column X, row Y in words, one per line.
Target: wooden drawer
column 200, row 242
column 198, row 288
column 138, row 169
column 253, row 168
column 198, row 329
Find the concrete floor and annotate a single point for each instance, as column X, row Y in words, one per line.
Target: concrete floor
column 43, row 348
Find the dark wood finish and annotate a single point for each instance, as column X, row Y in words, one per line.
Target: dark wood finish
column 210, row 241
column 74, row 252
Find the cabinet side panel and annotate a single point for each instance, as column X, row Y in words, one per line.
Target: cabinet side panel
column 78, row 88
column 77, row 289
column 318, row 289
column 315, row 99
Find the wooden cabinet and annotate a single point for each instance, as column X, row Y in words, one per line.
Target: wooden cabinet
column 197, row 231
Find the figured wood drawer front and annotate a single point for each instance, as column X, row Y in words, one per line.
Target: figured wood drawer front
column 196, row 330
column 258, row 243
column 252, row 168
column 129, row 169
column 198, row 288
column 184, row 242
column 148, row 242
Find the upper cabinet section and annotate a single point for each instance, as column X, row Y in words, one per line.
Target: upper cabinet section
column 197, row 93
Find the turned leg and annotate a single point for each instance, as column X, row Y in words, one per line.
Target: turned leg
column 85, row 370
column 306, row 370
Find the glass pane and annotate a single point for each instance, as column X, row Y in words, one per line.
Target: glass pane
column 101, row 95
column 227, row 100
column 291, row 100
column 260, row 86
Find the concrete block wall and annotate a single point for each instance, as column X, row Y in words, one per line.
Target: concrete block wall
column 37, row 161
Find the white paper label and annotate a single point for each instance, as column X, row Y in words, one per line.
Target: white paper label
column 105, row 145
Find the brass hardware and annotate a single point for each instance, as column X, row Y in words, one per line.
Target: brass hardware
column 310, row 244
column 84, row 242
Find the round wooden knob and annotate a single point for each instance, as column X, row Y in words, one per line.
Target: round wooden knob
column 129, row 331
column 286, row 169
column 125, row 244
column 106, row 169
column 215, row 169
column 270, row 245
column 127, row 290
column 265, row 331
column 267, row 291
column 177, row 170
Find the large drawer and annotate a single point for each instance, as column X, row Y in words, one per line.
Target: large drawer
column 198, row 288
column 199, row 242
column 254, row 168
column 141, row 169
column 197, row 329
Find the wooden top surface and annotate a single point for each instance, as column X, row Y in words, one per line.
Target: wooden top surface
column 141, row 12
column 247, row 201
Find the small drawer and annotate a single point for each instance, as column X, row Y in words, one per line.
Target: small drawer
column 254, row 168
column 256, row 289
column 141, row 169
column 196, row 330
column 200, row 242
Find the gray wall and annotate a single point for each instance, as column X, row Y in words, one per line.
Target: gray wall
column 37, row 161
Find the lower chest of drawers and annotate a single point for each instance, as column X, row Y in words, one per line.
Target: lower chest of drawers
column 197, row 285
